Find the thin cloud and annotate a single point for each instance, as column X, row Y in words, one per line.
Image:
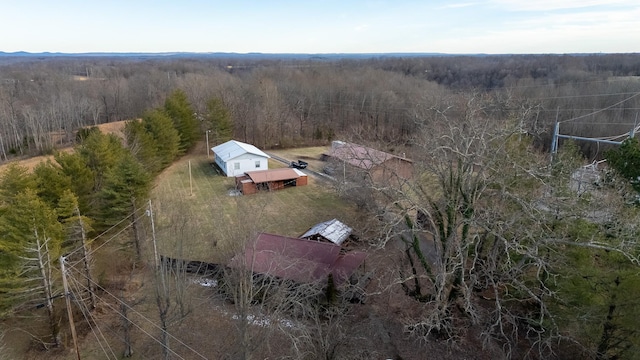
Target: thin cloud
column 552, row 5
column 596, row 19
column 458, row 5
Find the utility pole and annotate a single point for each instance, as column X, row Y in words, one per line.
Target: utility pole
column 557, row 135
column 190, row 180
column 153, row 235
column 86, row 257
column 67, row 296
column 207, row 133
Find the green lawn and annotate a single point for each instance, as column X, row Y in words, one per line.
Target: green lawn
column 210, row 221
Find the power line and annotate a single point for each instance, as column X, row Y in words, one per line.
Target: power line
column 582, row 96
column 137, row 326
column 107, row 231
column 145, row 318
column 86, row 311
column 108, row 240
column 556, row 85
column 600, row 110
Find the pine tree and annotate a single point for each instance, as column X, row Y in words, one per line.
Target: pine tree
column 126, row 186
column 15, row 179
column 142, row 145
column 77, row 228
column 625, row 160
column 166, row 138
column 75, row 167
column 51, row 182
column 181, row 113
column 30, row 244
column 219, row 121
column 101, row 152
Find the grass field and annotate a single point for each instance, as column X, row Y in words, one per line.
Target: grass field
column 116, row 128
column 211, row 222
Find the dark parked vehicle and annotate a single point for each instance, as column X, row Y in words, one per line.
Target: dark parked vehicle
column 299, row 164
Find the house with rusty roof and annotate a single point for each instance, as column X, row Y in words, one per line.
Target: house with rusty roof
column 299, row 260
column 333, row 231
column 348, row 158
column 274, row 179
column 235, row 158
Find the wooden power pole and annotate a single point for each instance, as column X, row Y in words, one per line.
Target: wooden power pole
column 67, row 296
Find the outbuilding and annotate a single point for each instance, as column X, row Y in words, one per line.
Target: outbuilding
column 300, row 260
column 275, row 179
column 235, row 158
column 348, row 159
column 332, row 230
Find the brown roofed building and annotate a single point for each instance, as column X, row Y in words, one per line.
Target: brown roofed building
column 300, row 260
column 379, row 165
column 274, row 179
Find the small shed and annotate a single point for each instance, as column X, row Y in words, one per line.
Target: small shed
column 333, row 231
column 235, row 158
column 300, row 260
column 275, row 179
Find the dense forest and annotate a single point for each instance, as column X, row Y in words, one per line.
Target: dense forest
column 289, row 103
column 534, row 267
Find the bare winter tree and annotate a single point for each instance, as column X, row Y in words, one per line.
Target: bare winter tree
column 477, row 224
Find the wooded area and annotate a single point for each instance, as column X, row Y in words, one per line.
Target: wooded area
column 288, row 103
column 492, row 235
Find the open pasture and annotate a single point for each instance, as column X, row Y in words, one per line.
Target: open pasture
column 200, row 219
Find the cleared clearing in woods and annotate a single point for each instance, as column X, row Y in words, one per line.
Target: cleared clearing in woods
column 211, row 222
column 116, row 128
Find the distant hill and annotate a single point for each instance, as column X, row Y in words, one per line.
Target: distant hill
column 219, row 55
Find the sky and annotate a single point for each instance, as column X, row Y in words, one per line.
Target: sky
column 321, row 26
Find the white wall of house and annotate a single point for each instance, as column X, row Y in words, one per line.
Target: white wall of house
column 243, row 163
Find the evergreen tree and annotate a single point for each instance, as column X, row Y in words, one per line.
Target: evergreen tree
column 15, row 179
column 51, row 182
column 30, row 245
column 101, row 152
column 77, row 228
column 142, row 145
column 75, row 167
column 181, row 113
column 126, row 186
column 625, row 160
column 597, row 302
column 166, row 138
column 219, row 121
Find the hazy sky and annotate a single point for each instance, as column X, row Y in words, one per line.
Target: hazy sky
column 321, row 26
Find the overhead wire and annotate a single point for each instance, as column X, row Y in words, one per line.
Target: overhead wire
column 93, row 250
column 600, row 110
column 86, row 313
column 98, row 286
column 133, row 323
column 108, row 230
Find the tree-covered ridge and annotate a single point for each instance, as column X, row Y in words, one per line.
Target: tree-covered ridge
column 281, row 104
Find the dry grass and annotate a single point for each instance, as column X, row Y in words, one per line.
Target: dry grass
column 30, row 163
column 211, row 221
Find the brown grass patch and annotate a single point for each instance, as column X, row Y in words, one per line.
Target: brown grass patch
column 30, row 163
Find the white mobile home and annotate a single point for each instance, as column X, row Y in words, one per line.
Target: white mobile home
column 236, row 158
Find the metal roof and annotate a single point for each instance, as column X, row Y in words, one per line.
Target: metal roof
column 360, row 156
column 261, row 176
column 296, row 259
column 332, row 230
column 232, row 149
